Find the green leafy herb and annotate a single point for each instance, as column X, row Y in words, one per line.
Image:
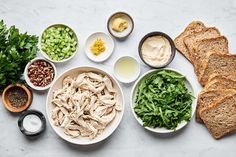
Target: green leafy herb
column 162, row 100
column 16, row 50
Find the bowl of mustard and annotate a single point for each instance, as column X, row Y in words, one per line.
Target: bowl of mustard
column 120, row 25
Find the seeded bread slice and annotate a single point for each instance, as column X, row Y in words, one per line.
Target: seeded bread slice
column 220, row 82
column 193, row 27
column 220, row 118
column 191, row 40
column 218, row 64
column 206, row 98
column 198, row 55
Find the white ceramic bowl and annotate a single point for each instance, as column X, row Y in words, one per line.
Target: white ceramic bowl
column 120, row 35
column 108, row 130
column 63, row 60
column 160, row 130
column 109, row 44
column 130, row 78
column 27, row 78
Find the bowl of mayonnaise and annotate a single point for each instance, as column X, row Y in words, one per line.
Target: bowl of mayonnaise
column 156, row 49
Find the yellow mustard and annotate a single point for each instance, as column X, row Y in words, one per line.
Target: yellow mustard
column 119, row 24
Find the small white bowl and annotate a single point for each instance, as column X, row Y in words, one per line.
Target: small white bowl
column 120, row 35
column 129, row 78
column 134, row 92
column 27, row 78
column 63, row 60
column 73, row 72
column 109, row 44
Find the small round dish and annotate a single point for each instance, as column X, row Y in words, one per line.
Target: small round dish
column 109, row 46
column 125, row 33
column 126, row 69
column 38, row 71
column 13, row 88
column 134, row 90
column 62, row 60
column 26, row 122
column 165, row 36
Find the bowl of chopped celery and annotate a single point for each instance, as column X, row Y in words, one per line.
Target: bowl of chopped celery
column 162, row 100
column 59, row 43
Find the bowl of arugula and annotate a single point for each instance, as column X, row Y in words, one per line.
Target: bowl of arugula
column 162, row 100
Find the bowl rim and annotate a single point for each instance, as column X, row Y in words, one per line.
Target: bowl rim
column 157, row 33
column 154, row 129
column 45, row 54
column 109, row 21
column 20, row 109
column 121, row 113
column 105, row 58
column 27, row 78
column 138, row 71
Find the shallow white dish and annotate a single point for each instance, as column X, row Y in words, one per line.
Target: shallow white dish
column 127, row 31
column 109, row 44
column 27, row 78
column 160, row 130
column 108, row 130
column 127, row 79
column 63, row 60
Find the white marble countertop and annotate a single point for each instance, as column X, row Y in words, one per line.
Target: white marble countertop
column 88, row 16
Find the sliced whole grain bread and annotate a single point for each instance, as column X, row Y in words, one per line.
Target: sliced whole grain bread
column 218, row 64
column 198, row 55
column 193, row 27
column 220, row 117
column 206, row 98
column 220, row 82
column 191, row 40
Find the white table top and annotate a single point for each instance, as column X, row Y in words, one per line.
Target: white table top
column 88, row 16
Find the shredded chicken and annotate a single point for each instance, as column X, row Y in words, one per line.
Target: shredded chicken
column 85, row 105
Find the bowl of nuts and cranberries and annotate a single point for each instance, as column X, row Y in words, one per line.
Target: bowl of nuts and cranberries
column 40, row 73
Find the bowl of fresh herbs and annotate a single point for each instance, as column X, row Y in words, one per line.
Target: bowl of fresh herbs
column 162, row 100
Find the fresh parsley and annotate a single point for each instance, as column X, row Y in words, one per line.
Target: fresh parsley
column 16, row 50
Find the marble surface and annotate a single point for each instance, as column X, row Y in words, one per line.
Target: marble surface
column 88, row 16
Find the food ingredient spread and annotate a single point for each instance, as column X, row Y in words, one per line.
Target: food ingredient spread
column 156, row 50
column 17, row 97
column 98, row 47
column 85, row 105
column 119, row 24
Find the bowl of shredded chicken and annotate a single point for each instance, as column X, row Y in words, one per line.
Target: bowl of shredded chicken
column 85, row 105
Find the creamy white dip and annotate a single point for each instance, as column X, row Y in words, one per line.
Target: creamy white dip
column 156, row 50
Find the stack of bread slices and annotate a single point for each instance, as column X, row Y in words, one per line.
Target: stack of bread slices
column 215, row 68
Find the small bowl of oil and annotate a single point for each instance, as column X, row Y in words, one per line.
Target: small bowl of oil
column 126, row 69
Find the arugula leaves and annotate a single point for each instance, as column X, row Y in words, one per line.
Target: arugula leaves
column 162, row 100
column 16, row 50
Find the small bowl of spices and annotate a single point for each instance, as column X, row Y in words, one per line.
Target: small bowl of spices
column 17, row 98
column 40, row 73
column 99, row 47
column 156, row 49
